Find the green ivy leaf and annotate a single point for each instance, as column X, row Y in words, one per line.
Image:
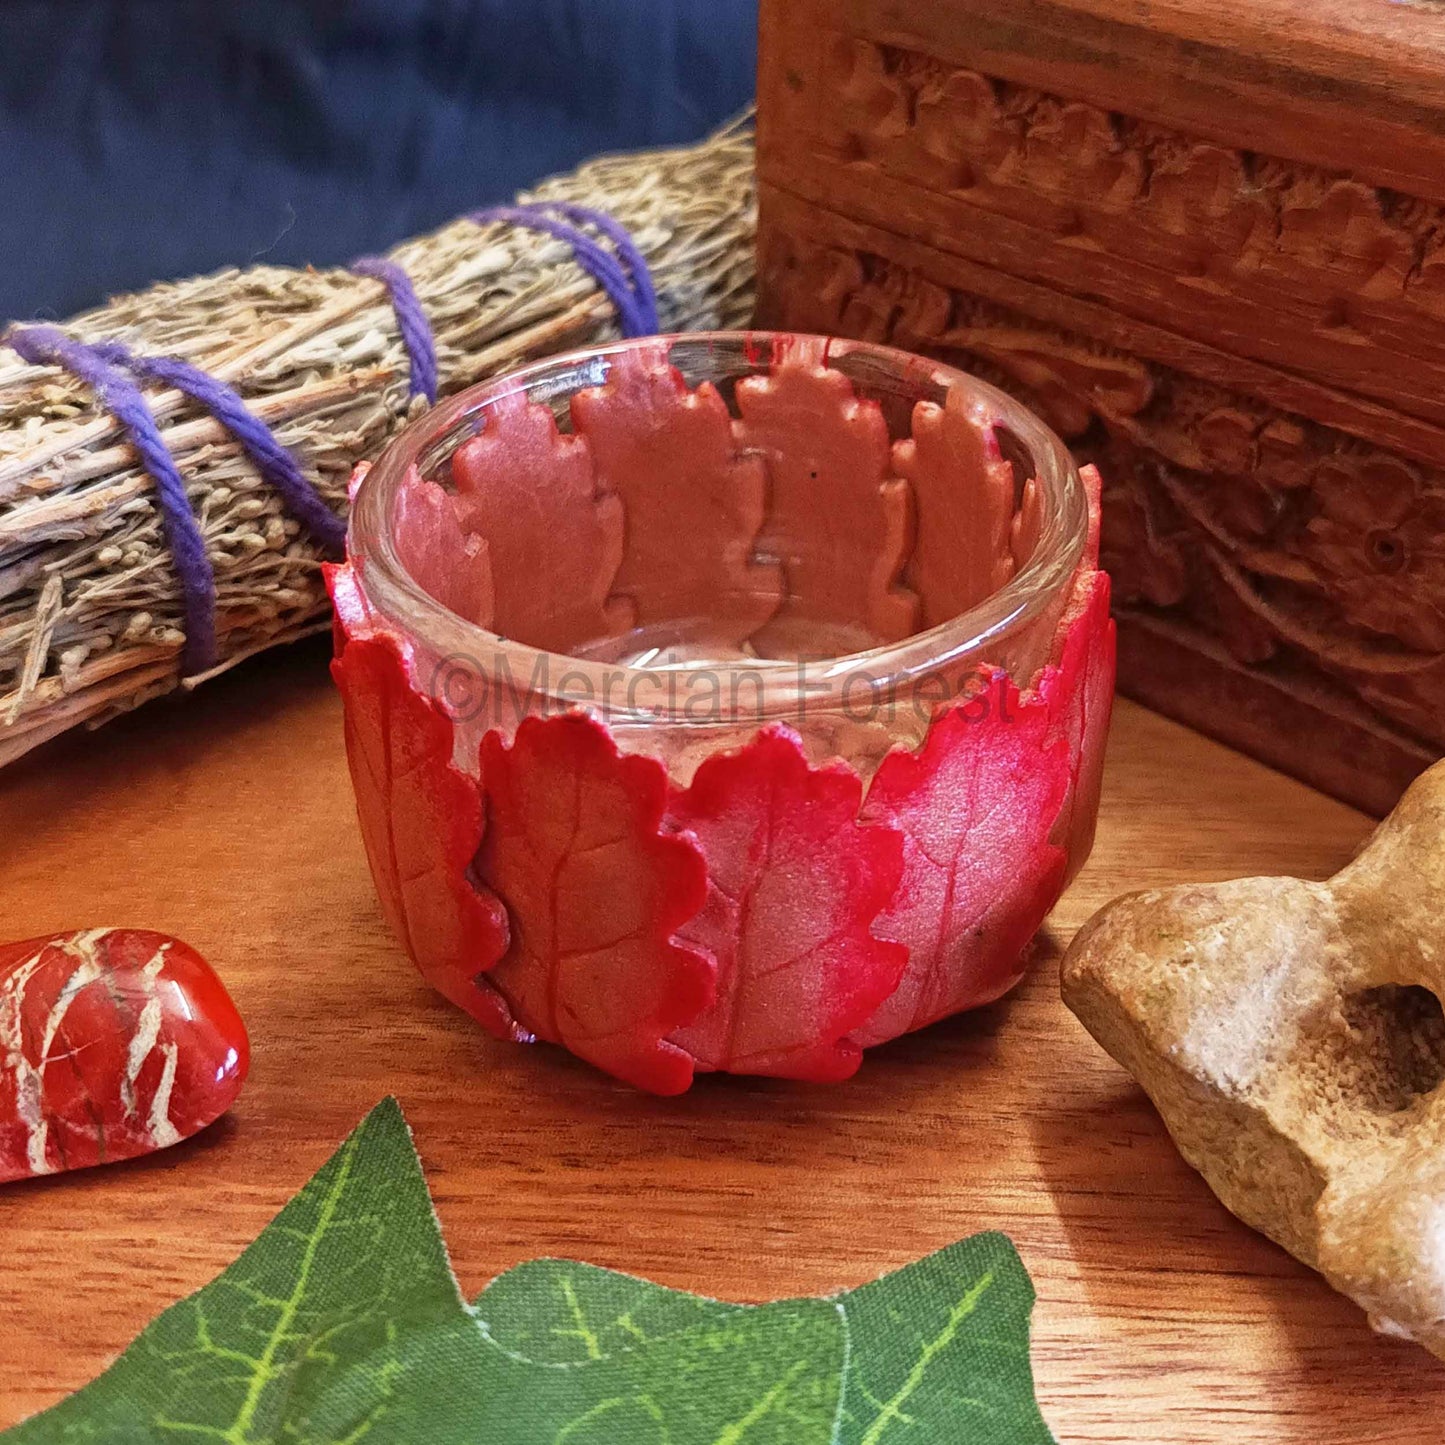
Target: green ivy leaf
column 561, row 1312
column 343, row 1323
column 936, row 1349
column 939, row 1352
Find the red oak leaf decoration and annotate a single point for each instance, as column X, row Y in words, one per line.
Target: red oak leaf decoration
column 828, row 458
column 794, row 882
column 1077, row 687
column 694, row 506
column 114, row 1042
column 421, row 822
column 554, row 538
column 977, row 806
column 595, row 891
column 449, row 564
column 963, row 495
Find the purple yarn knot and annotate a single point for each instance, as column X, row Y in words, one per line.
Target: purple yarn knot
column 625, row 277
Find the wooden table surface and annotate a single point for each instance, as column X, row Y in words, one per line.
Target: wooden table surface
column 226, row 818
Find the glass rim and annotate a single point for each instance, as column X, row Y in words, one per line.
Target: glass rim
column 787, row 686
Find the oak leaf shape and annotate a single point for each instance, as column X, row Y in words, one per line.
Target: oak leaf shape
column 451, row 565
column 421, row 822
column 794, row 881
column 694, row 505
column 829, row 464
column 963, row 496
column 554, row 538
column 1077, row 687
column 977, row 806
column 595, row 891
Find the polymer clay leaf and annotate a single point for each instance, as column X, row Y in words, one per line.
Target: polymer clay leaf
column 794, row 883
column 963, row 496
column 114, row 1042
column 977, row 806
column 694, row 506
column 421, row 822
column 828, row 460
column 1078, row 691
column 554, row 538
column 939, row 1352
column 341, row 1322
column 595, row 891
column 451, row 565
column 1077, row 686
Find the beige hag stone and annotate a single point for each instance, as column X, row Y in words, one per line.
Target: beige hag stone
column 1291, row 1037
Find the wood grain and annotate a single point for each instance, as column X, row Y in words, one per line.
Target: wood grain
column 227, row 820
column 1272, row 75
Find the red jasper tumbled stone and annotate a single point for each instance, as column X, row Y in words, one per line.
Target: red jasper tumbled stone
column 114, row 1042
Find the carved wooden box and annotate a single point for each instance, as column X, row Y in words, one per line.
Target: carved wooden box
column 1206, row 239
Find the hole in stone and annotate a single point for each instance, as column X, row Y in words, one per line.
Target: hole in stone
column 1399, row 1032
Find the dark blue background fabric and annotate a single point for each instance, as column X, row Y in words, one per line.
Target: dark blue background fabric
column 146, row 139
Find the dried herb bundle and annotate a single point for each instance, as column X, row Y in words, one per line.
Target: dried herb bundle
column 90, row 610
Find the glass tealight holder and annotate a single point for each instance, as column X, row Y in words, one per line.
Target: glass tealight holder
column 724, row 702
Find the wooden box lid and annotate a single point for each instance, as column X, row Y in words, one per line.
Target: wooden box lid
column 1261, row 178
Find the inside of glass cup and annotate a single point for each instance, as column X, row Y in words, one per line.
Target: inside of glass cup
column 716, row 499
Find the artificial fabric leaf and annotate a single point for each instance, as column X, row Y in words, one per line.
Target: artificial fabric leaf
column 963, row 497
column 560, row 1312
column 449, row 564
column 939, row 1352
column 555, row 540
column 753, row 1377
column 828, row 458
column 794, row 883
column 115, row 1042
column 694, row 506
column 341, row 1322
column 977, row 806
column 595, row 891
column 421, row 822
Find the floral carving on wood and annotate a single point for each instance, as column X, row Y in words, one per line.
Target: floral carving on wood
column 1098, row 177
column 1279, row 538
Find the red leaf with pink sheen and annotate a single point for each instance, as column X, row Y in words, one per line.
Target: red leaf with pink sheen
column 421, row 821
column 794, row 881
column 447, row 563
column 1077, row 687
column 595, row 892
column 694, row 506
column 114, row 1042
column 829, row 462
column 977, row 806
column 554, row 538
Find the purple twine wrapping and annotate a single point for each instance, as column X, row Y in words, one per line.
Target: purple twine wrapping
column 416, row 332
column 48, row 346
column 277, row 466
column 626, row 281
column 627, row 250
